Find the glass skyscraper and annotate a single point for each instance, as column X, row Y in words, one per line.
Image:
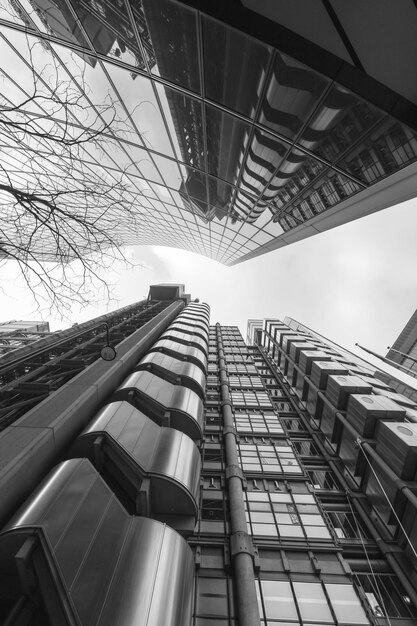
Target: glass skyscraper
column 235, row 129
column 198, row 480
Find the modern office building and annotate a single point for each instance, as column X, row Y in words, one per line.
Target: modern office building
column 240, row 126
column 17, row 333
column 404, row 349
column 195, row 480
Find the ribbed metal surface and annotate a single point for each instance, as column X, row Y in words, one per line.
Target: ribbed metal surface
column 188, row 340
column 340, row 387
column 321, row 370
column 181, row 351
column 140, row 449
column 106, row 567
column 396, row 443
column 171, row 405
column 175, row 371
column 364, row 411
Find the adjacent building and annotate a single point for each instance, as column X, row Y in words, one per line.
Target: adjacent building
column 16, row 333
column 199, row 480
column 239, row 127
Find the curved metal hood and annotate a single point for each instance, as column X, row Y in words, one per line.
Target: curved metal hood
column 102, row 566
column 139, row 449
column 167, row 404
column 181, row 351
column 174, row 371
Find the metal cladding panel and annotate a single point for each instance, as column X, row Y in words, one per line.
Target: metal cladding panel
column 159, row 396
column 181, row 351
column 153, row 585
column 156, row 452
column 113, row 569
column 296, row 347
column 193, row 321
column 308, row 356
column 321, row 370
column 200, row 326
column 363, row 412
column 340, row 387
column 283, row 335
column 186, row 339
column 202, row 312
column 172, row 369
column 189, row 329
column 191, row 318
column 378, row 384
column 397, row 445
column 289, row 339
column 399, row 398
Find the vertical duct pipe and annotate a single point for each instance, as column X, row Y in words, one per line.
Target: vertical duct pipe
column 241, row 542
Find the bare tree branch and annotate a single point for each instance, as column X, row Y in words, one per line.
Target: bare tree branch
column 62, row 215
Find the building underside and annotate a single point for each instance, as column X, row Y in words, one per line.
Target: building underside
column 228, row 129
column 198, row 480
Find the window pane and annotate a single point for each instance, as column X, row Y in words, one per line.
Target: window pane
column 278, row 600
column 346, row 604
column 312, row 603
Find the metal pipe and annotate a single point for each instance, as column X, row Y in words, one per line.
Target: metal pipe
column 241, row 543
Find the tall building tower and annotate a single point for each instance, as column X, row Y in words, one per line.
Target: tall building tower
column 196, row 480
column 239, row 127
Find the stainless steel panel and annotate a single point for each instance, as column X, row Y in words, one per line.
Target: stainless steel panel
column 159, row 569
column 140, row 448
column 194, row 318
column 340, row 387
column 172, row 405
column 110, row 567
column 186, row 339
column 199, row 320
column 174, row 371
column 189, row 329
column 181, row 351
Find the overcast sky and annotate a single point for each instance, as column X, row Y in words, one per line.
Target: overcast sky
column 357, row 282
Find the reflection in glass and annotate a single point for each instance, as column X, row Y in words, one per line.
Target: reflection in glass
column 234, row 67
column 292, row 94
column 171, row 32
column 385, row 150
column 339, row 121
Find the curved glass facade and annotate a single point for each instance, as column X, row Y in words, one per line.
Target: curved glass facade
column 207, row 139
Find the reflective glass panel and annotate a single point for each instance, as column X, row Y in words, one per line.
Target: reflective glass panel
column 234, row 67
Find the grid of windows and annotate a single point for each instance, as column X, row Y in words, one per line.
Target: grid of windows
column 285, row 515
column 250, row 398
column 252, row 382
column 258, row 423
column 270, row 458
column 309, row 603
column 241, row 368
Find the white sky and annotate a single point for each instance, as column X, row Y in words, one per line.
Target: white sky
column 357, row 282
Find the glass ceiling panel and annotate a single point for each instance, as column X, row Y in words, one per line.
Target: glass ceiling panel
column 234, row 67
column 169, row 31
column 227, row 177
column 388, row 148
column 338, row 123
column 185, row 124
column 227, row 137
column 108, row 27
column 139, row 98
column 292, row 93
